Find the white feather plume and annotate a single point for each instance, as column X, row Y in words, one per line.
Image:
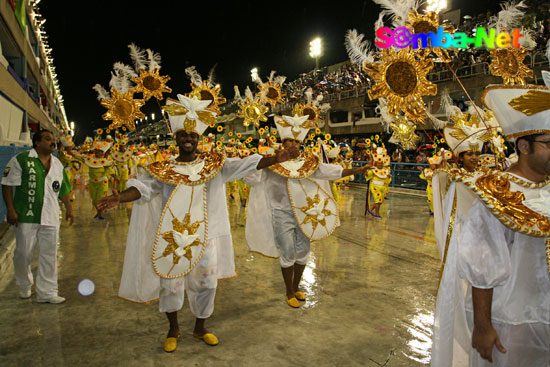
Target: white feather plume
column 212, row 76
column 248, row 93
column 447, row 105
column 138, row 57
column 119, row 82
column 437, row 123
column 509, row 16
column 324, row 107
column 101, row 92
column 123, row 69
column 154, row 60
column 193, row 75
column 358, row 49
column 385, row 118
column 279, row 80
column 238, row 96
column 380, row 21
column 398, row 10
column 548, row 50
column 527, row 39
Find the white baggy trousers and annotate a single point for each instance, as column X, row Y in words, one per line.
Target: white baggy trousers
column 27, row 237
column 200, row 284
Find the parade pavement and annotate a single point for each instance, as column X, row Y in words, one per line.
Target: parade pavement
column 370, row 299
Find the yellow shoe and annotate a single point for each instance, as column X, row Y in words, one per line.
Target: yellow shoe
column 300, row 296
column 170, row 344
column 208, row 338
column 293, row 302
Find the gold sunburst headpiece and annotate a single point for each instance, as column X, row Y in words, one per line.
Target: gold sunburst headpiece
column 508, row 64
column 401, row 79
column 252, row 111
column 271, row 93
column 151, row 84
column 404, row 133
column 425, row 23
column 123, row 109
column 206, row 92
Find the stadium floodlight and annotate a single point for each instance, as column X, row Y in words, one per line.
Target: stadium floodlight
column 315, row 50
column 254, row 74
column 436, row 5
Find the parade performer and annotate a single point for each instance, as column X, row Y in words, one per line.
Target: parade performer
column 180, row 221
column 65, row 157
column 379, row 179
column 497, row 230
column 40, row 181
column 100, row 171
column 436, row 161
column 290, row 205
column 122, row 158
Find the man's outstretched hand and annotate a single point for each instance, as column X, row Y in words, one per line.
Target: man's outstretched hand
column 287, row 154
column 108, row 202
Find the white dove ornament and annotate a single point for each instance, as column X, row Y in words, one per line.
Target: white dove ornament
column 193, row 105
column 190, row 170
column 293, row 166
column 317, row 211
column 183, row 240
column 295, row 122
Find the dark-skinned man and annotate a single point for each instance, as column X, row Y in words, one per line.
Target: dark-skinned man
column 192, row 246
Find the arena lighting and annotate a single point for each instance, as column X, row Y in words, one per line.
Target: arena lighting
column 72, row 125
column 254, row 74
column 152, row 116
column 315, row 50
column 436, row 5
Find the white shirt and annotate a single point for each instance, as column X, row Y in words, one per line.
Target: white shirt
column 275, row 185
column 218, row 217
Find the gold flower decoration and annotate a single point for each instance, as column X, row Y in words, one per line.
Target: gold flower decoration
column 425, row 23
column 404, row 133
column 271, row 93
column 206, row 93
column 508, row 64
column 252, row 111
column 151, row 84
column 123, row 109
column 401, row 79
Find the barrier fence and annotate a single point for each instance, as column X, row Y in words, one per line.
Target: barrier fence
column 404, row 175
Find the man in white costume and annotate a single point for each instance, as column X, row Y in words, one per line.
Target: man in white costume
column 194, row 227
column 493, row 304
column 291, row 204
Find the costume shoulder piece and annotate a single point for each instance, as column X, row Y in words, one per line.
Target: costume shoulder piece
column 94, row 162
column 304, row 166
column 201, row 170
column 381, row 172
column 510, row 199
column 122, row 157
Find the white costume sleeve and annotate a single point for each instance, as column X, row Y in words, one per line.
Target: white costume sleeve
column 12, row 173
column 146, row 185
column 139, row 282
column 236, row 168
column 328, row 172
column 483, row 256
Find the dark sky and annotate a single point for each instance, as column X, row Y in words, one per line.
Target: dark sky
column 87, row 37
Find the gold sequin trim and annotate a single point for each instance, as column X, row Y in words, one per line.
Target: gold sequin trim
column 311, row 164
column 163, row 172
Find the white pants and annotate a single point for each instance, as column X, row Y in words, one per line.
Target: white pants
column 27, row 235
column 200, row 284
column 292, row 243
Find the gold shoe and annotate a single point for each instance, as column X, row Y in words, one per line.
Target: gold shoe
column 293, row 302
column 171, row 343
column 300, row 296
column 208, row 338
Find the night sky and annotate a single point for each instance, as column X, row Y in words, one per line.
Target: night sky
column 88, row 37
